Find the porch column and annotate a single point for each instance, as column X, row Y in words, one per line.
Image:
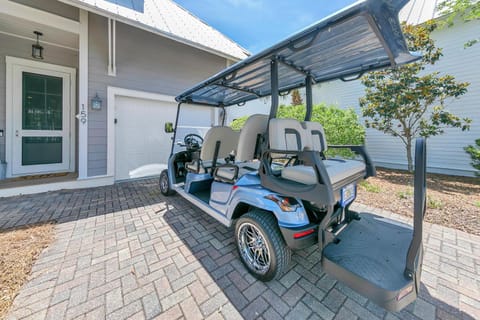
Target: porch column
column 83, row 97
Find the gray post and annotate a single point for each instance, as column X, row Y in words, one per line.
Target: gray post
column 175, row 130
column 309, row 100
column 274, row 85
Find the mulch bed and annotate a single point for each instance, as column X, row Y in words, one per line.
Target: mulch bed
column 452, row 201
column 19, row 248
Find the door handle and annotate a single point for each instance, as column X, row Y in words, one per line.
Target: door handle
column 16, row 133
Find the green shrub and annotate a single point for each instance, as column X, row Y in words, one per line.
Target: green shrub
column 474, row 152
column 341, row 125
column 238, row 123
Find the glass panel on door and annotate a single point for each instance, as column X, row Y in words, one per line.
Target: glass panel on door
column 41, row 150
column 42, row 106
column 42, row 110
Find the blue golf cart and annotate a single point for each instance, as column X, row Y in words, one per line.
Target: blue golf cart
column 273, row 182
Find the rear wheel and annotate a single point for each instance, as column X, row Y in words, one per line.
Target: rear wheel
column 261, row 246
column 165, row 184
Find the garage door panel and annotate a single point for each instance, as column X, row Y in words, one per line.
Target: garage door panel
column 142, row 147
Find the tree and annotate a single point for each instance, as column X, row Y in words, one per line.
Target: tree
column 406, row 102
column 466, row 10
column 296, row 98
column 474, row 152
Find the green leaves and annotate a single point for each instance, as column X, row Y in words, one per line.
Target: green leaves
column 341, row 126
column 466, row 10
column 474, row 152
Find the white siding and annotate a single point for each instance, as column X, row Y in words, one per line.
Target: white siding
column 445, row 152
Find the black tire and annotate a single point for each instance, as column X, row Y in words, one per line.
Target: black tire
column 278, row 252
column 165, row 184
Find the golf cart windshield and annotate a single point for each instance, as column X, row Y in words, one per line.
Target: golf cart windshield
column 363, row 37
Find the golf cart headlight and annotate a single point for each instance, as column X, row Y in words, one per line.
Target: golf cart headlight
column 285, row 203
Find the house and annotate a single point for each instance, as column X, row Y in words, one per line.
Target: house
column 445, row 153
column 89, row 110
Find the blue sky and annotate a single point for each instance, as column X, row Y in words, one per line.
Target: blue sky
column 258, row 24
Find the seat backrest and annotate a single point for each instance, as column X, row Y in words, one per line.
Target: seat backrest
column 287, row 134
column 248, row 141
column 316, row 135
column 228, row 142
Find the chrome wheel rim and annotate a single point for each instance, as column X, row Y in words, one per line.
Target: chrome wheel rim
column 164, row 183
column 253, row 248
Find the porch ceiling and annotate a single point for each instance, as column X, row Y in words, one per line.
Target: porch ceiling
column 24, row 29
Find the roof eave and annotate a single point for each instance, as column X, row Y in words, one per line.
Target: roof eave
column 144, row 27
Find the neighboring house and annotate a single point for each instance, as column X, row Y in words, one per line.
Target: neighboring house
column 445, row 152
column 96, row 104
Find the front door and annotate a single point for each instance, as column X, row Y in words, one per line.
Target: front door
column 42, row 119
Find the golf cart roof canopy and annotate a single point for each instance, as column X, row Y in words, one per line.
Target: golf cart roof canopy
column 362, row 37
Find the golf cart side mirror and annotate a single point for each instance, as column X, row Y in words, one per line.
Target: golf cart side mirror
column 168, row 127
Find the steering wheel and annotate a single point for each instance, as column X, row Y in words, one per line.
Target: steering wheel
column 193, row 141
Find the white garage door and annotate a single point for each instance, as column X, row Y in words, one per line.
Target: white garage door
column 142, row 147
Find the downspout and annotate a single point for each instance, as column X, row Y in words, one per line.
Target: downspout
column 112, row 51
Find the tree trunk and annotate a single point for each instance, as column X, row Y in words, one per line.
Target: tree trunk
column 409, row 155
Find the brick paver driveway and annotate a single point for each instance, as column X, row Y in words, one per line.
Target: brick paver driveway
column 125, row 251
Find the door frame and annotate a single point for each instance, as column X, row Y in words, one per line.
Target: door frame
column 9, row 127
column 112, row 93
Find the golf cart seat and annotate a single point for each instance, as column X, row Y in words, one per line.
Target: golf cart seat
column 249, row 143
column 219, row 142
column 308, row 175
column 340, row 171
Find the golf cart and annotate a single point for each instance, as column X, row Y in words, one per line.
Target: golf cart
column 273, row 181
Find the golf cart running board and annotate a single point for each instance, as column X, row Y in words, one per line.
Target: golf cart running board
column 381, row 258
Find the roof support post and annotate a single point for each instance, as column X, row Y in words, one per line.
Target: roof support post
column 309, row 100
column 175, row 130
column 274, row 85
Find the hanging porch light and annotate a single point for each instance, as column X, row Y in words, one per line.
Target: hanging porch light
column 37, row 49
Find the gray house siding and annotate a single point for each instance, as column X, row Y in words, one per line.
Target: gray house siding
column 52, row 6
column 145, row 62
column 20, row 48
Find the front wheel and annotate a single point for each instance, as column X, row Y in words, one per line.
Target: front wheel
column 261, row 246
column 165, row 184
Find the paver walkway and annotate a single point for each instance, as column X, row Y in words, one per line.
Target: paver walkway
column 125, row 251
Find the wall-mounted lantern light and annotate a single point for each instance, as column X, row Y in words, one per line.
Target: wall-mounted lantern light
column 37, row 49
column 96, row 102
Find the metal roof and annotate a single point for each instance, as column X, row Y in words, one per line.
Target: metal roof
column 418, row 11
column 362, row 37
column 166, row 18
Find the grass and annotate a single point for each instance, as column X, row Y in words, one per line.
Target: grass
column 367, row 186
column 477, row 204
column 407, row 194
column 433, row 203
column 19, row 248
